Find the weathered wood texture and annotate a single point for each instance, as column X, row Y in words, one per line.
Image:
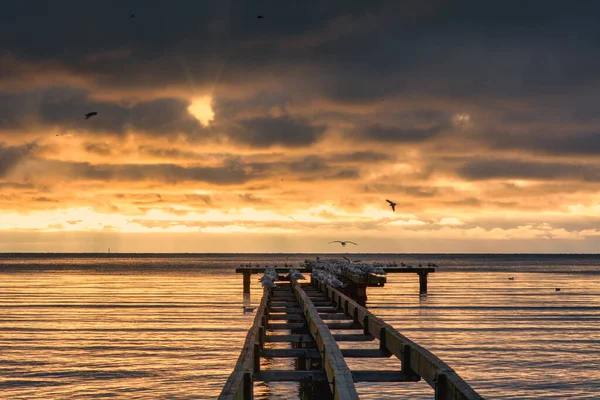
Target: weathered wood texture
column 283, row 270
column 338, row 373
column 416, row 360
column 241, row 376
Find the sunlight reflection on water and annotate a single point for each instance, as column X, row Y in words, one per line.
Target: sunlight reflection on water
column 176, row 332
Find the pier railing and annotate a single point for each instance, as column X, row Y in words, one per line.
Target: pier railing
column 416, row 360
column 239, row 386
column 334, row 365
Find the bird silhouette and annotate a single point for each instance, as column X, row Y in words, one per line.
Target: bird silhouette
column 259, row 16
column 132, row 15
column 392, row 204
column 90, row 114
column 343, row 243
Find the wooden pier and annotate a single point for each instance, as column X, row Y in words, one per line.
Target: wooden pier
column 320, row 365
column 356, row 285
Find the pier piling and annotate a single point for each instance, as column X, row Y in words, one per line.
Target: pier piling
column 247, row 282
column 423, row 282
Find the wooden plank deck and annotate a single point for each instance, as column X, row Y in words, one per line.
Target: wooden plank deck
column 292, row 307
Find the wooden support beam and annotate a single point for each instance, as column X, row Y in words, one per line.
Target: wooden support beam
column 278, row 303
column 290, row 376
column 389, row 270
column 336, row 316
column 286, row 317
column 286, row 309
column 326, row 309
column 286, row 326
column 297, row 338
column 289, row 353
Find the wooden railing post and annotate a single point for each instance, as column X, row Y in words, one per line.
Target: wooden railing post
column 256, row 356
column 383, row 342
column 405, row 361
column 261, row 337
column 248, row 387
column 441, row 387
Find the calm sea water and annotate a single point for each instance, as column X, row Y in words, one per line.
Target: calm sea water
column 171, row 327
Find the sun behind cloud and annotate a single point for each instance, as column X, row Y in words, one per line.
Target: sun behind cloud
column 201, row 109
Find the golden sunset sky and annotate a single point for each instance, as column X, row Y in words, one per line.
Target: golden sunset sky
column 218, row 131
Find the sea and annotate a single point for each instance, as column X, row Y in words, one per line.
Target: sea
column 171, row 326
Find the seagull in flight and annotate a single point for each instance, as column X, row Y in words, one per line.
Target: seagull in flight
column 90, row 114
column 392, row 204
column 343, row 243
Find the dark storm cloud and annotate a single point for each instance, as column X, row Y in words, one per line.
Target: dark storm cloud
column 226, row 174
column 353, row 52
column 548, row 142
column 262, row 132
column 398, row 134
column 11, row 156
column 360, row 157
column 377, row 47
column 308, row 169
column 65, row 108
column 482, row 169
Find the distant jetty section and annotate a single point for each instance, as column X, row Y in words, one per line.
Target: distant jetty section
column 307, row 312
column 355, row 280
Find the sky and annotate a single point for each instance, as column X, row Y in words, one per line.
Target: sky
column 218, row 131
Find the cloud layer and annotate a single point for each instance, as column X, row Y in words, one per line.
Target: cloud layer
column 480, row 120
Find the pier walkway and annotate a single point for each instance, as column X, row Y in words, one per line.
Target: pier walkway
column 308, row 312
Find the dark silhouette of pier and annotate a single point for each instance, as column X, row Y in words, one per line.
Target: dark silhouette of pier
column 308, row 311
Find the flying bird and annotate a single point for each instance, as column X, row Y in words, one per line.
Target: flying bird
column 259, row 16
column 343, row 243
column 132, row 15
column 392, row 204
column 90, row 114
